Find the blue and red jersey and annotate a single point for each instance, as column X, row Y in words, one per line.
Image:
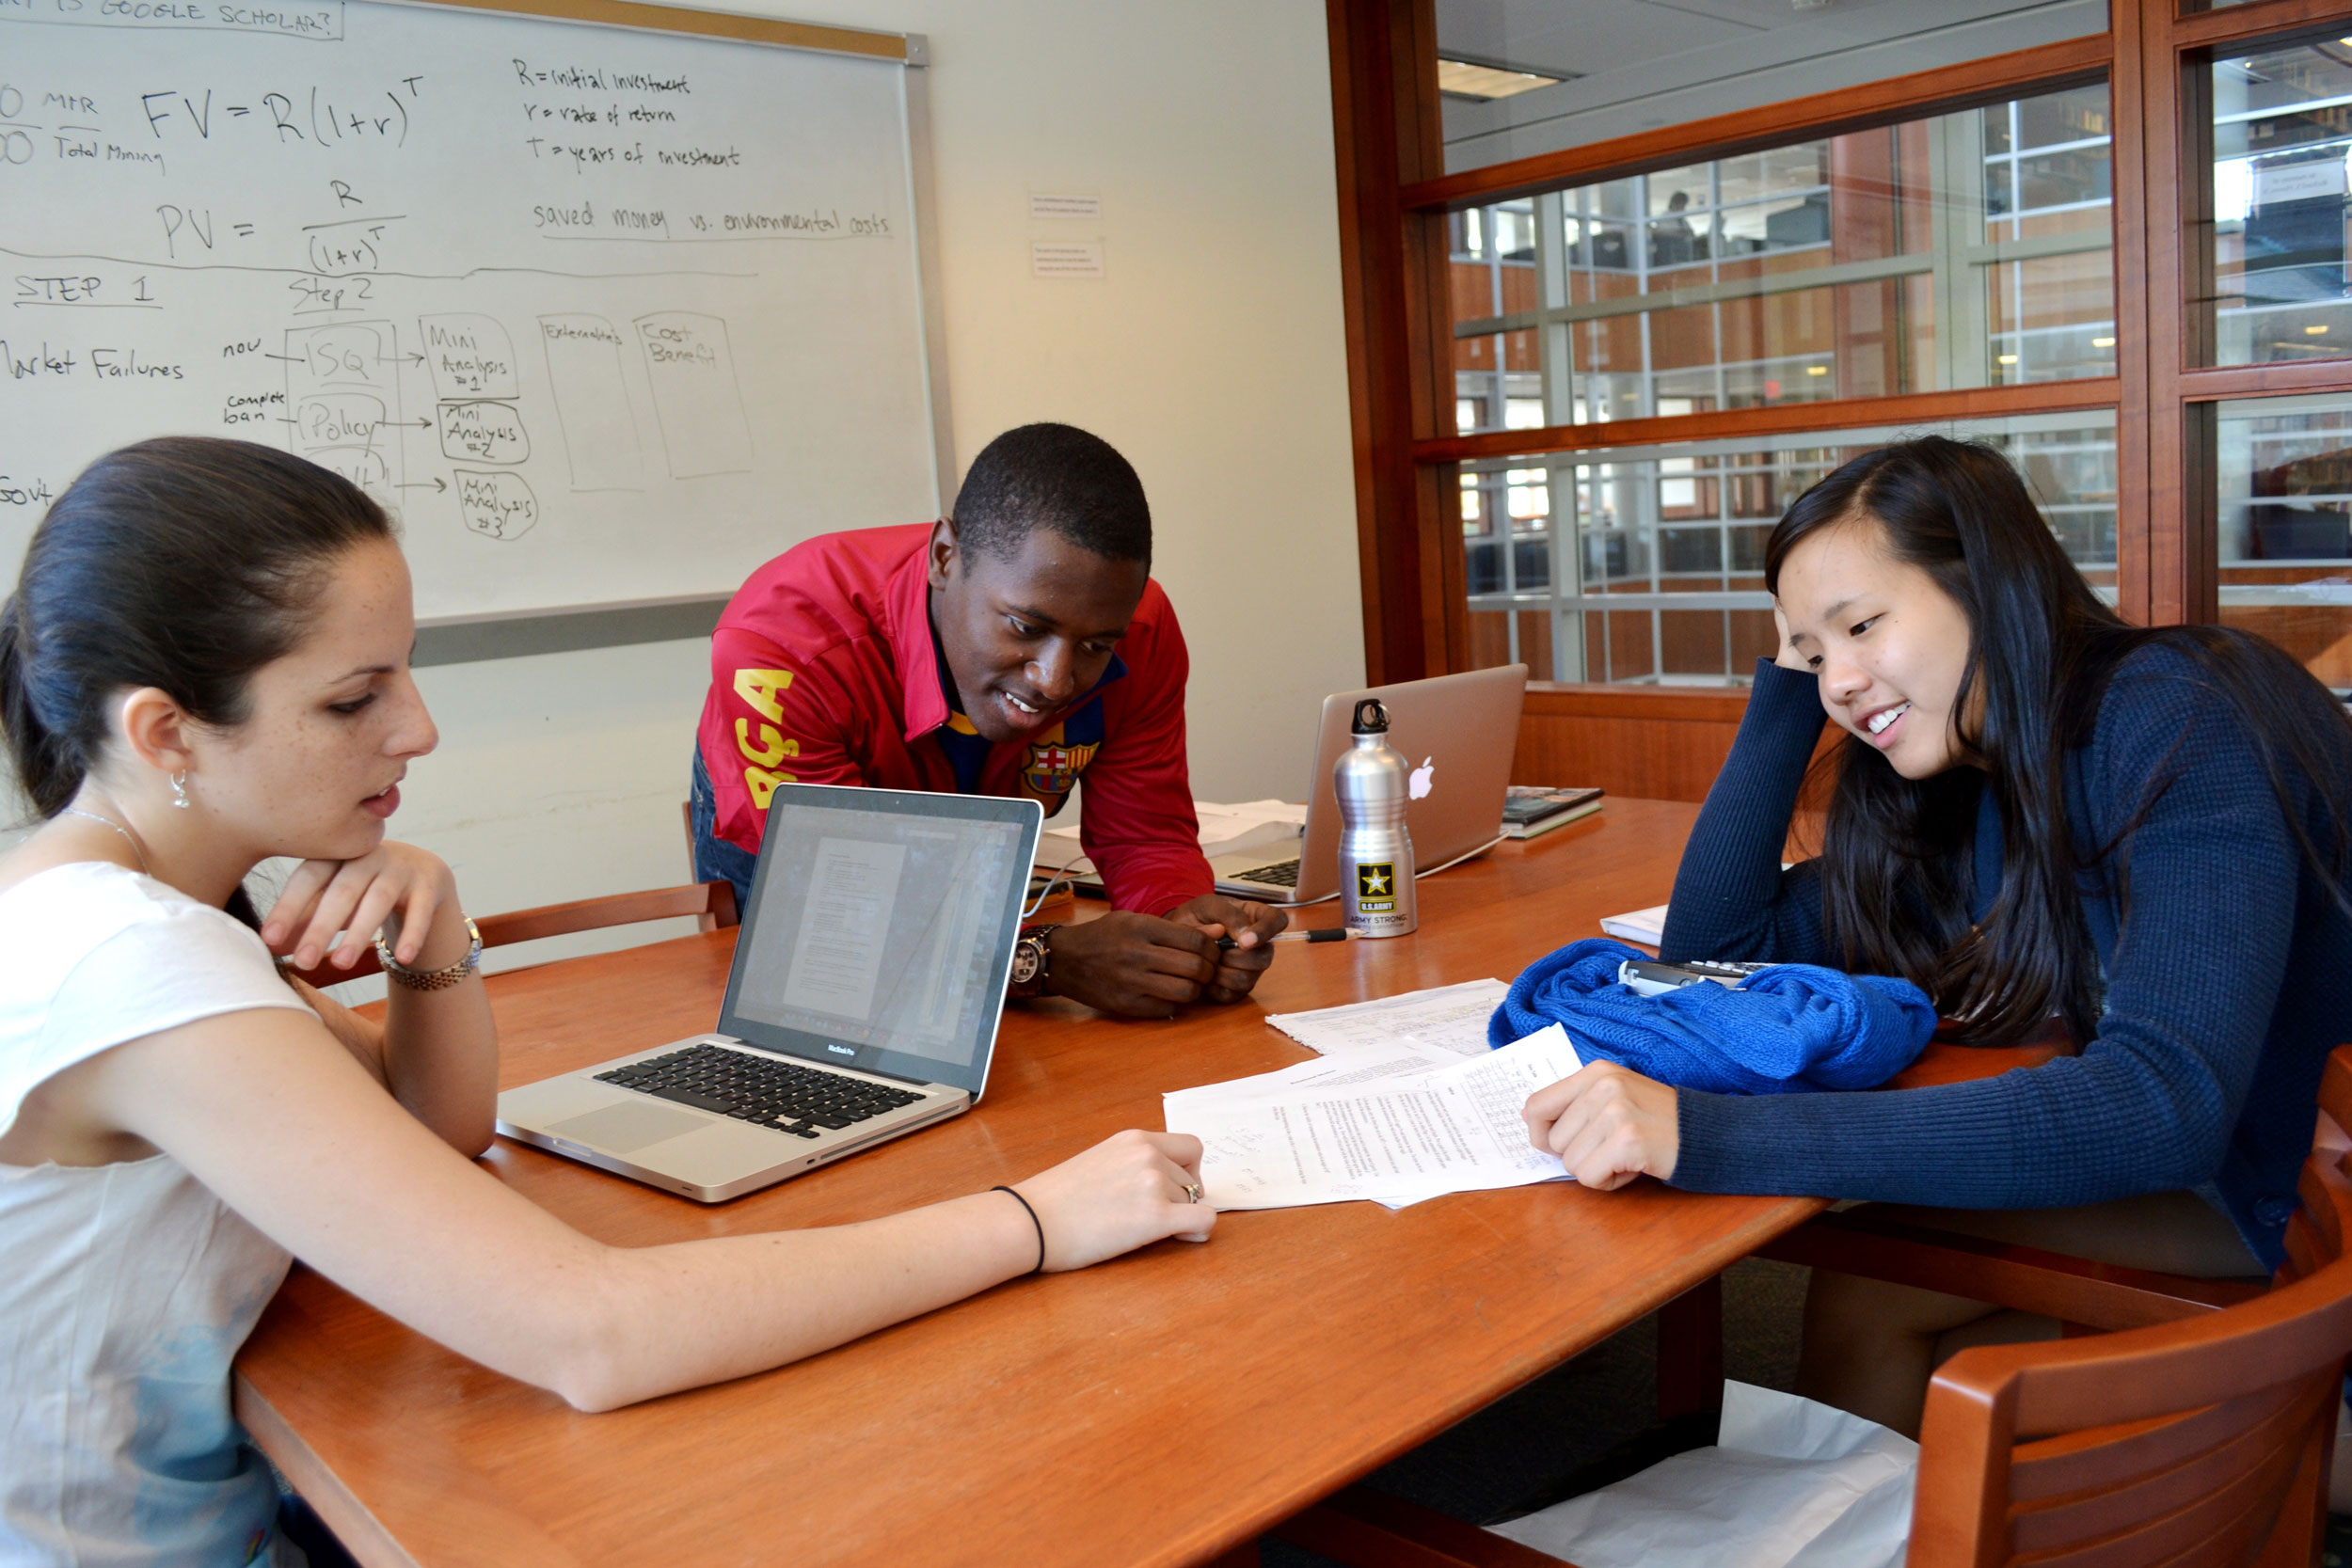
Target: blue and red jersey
column 823, row 670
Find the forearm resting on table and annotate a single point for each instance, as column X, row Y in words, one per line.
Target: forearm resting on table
column 759, row 1301
column 275, row 1119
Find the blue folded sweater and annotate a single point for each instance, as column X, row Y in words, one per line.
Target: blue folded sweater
column 1789, row 1028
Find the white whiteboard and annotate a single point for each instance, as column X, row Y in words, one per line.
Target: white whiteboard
column 603, row 314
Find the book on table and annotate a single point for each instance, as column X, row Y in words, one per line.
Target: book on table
column 1531, row 809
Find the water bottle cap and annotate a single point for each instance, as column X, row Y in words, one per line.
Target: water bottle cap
column 1371, row 718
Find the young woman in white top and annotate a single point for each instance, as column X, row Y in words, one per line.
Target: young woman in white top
column 205, row 664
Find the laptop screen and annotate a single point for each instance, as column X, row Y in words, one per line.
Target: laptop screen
column 881, row 929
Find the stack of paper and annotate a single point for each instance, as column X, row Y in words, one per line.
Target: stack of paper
column 1647, row 926
column 1395, row 1122
column 1449, row 1018
column 1224, row 830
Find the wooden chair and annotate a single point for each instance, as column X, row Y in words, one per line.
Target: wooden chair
column 2200, row 1440
column 712, row 905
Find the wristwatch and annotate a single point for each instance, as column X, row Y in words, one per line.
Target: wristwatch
column 1031, row 959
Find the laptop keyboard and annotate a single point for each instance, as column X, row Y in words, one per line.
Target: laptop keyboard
column 760, row 1089
column 1282, row 874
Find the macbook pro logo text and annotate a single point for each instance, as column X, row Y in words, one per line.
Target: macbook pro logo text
column 841, row 1049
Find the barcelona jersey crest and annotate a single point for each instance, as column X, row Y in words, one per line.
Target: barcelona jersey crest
column 1054, row 765
column 1058, row 755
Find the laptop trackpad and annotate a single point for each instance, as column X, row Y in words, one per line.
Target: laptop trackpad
column 626, row 1128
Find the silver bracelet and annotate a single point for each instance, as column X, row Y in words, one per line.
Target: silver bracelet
column 432, row 979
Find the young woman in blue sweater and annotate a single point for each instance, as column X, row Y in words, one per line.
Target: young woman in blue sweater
column 2040, row 810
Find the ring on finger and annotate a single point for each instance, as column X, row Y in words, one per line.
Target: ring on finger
column 1192, row 1192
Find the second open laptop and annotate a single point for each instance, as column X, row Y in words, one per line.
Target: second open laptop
column 1458, row 734
column 863, row 1003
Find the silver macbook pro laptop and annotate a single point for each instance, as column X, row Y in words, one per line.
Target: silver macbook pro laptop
column 867, row 984
column 1458, row 733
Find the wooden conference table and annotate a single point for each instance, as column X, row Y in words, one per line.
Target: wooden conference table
column 1161, row 1408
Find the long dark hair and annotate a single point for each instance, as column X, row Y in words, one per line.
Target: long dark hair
column 183, row 563
column 2042, row 649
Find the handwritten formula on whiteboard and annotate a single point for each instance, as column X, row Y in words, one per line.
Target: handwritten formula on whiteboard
column 599, row 313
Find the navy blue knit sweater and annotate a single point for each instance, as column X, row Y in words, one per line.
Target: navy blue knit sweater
column 2228, row 980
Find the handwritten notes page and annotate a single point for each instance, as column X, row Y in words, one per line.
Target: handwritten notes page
column 1449, row 1018
column 1368, row 1124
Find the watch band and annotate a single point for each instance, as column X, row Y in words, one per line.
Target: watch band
column 1033, row 941
column 1044, row 950
column 432, row 979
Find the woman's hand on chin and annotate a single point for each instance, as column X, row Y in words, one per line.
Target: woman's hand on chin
column 1785, row 652
column 1608, row 1124
column 395, row 885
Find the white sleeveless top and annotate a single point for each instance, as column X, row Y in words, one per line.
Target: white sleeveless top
column 128, row 1288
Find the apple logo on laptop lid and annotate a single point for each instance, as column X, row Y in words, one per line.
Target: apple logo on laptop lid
column 1423, row 779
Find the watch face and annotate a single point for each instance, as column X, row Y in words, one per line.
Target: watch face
column 1025, row 960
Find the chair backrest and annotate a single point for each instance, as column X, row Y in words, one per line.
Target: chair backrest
column 712, row 903
column 2203, row 1441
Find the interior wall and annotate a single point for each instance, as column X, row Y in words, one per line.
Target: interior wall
column 1211, row 353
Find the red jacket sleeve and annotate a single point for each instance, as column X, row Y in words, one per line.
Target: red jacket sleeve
column 1135, row 803
column 769, row 719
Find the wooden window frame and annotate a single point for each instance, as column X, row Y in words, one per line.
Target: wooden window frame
column 1395, row 200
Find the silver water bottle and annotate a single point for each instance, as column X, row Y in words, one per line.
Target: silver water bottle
column 1375, row 849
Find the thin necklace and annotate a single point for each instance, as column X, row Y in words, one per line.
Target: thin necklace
column 91, row 815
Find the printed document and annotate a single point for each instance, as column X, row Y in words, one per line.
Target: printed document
column 839, row 955
column 1397, row 1059
column 1395, row 1138
column 1452, row 1018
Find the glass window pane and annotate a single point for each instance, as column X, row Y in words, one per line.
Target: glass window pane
column 2280, row 199
column 1528, row 77
column 2051, row 318
column 2284, row 479
column 1657, row 570
column 1707, row 287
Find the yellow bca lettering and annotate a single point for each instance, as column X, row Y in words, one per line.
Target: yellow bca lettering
column 772, row 747
column 762, row 785
column 760, row 688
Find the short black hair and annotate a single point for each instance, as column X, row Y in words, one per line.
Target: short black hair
column 1054, row 476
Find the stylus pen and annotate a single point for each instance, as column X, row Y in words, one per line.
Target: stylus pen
column 1329, row 933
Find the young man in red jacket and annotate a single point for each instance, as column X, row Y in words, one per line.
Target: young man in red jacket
column 1011, row 650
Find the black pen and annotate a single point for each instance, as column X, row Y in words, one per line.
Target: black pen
column 1328, row 933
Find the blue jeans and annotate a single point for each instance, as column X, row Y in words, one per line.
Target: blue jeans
column 715, row 859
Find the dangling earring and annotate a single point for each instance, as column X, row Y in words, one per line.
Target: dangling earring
column 180, row 790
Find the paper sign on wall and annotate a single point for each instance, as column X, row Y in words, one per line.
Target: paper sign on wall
column 1066, row 261
column 1065, row 206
